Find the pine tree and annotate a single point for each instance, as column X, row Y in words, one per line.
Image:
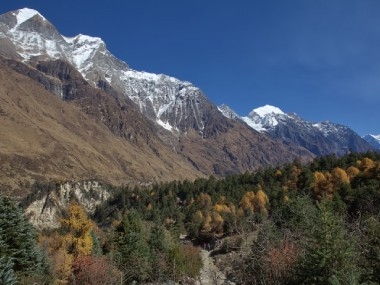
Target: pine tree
column 7, row 276
column 329, row 253
column 158, row 245
column 132, row 248
column 18, row 242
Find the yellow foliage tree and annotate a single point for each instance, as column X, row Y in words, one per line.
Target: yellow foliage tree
column 207, row 223
column 77, row 229
column 261, row 201
column 322, row 186
column 216, row 222
column 246, row 203
column 62, row 266
column 291, row 184
column 376, row 170
column 204, row 201
column 352, row 171
column 366, row 164
column 339, row 177
column 222, row 206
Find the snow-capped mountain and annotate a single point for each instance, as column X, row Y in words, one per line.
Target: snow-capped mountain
column 172, row 103
column 373, row 140
column 264, row 118
column 135, row 106
column 320, row 138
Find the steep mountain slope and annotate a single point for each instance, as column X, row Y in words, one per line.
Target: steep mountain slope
column 160, row 117
column 373, row 140
column 174, row 104
column 320, row 138
column 45, row 138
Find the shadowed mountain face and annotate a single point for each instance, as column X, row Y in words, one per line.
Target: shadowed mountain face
column 72, row 110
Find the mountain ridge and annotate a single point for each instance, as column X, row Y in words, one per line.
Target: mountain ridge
column 157, row 115
column 374, row 140
column 320, row 138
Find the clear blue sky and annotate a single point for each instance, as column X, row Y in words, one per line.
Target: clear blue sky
column 317, row 58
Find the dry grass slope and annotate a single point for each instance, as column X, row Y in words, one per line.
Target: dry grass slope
column 45, row 138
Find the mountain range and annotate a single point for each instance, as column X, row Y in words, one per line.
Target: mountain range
column 320, row 138
column 71, row 110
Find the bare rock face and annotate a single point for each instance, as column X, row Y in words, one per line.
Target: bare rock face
column 50, row 201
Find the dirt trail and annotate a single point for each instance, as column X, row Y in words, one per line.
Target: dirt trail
column 210, row 274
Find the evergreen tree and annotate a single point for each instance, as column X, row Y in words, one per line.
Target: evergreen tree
column 7, row 276
column 18, row 242
column 158, row 245
column 329, row 256
column 371, row 247
column 132, row 248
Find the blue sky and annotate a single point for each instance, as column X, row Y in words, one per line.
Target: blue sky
column 317, row 58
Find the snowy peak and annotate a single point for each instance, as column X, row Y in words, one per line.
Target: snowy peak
column 24, row 15
column 35, row 38
column 174, row 104
column 32, row 36
column 266, row 110
column 16, row 19
column 81, row 41
column 264, row 118
column 319, row 138
column 376, row 137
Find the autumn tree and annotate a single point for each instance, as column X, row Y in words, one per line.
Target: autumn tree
column 322, row 186
column 270, row 259
column 261, row 202
column 352, row 171
column 291, row 183
column 76, row 228
column 247, row 202
column 205, row 218
column 339, row 177
column 94, row 270
column 366, row 164
column 252, row 202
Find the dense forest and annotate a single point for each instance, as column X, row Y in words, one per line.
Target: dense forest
column 315, row 223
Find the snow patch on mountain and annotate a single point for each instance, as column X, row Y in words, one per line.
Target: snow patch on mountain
column 25, row 14
column 165, row 125
column 228, row 112
column 254, row 125
column 264, row 118
column 373, row 140
column 83, row 49
column 376, row 137
column 267, row 110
